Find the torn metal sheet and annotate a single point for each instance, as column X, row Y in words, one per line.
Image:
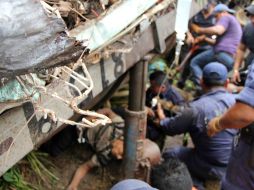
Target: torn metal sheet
column 14, row 91
column 95, row 34
column 15, row 140
column 31, row 38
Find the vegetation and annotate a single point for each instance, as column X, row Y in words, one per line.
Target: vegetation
column 13, row 179
column 34, row 167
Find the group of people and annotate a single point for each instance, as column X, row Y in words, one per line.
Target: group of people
column 221, row 151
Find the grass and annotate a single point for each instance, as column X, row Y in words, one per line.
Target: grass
column 34, row 167
column 13, row 179
column 39, row 165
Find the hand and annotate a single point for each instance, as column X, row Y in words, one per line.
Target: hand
column 156, row 122
column 160, row 112
column 199, row 39
column 214, row 126
column 232, row 88
column 150, row 112
column 189, row 39
column 195, row 28
column 236, row 76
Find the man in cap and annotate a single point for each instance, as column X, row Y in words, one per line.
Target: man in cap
column 228, row 31
column 209, row 158
column 161, row 88
column 240, row 171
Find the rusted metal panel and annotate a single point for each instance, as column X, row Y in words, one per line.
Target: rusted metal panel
column 15, row 138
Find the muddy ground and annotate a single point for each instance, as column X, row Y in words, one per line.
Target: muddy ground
column 97, row 179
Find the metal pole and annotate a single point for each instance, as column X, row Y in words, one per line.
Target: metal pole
column 135, row 121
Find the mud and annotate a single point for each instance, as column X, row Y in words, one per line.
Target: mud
column 99, row 178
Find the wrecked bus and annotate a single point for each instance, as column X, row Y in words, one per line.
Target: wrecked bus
column 60, row 58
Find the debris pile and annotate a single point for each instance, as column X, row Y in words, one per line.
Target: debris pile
column 75, row 12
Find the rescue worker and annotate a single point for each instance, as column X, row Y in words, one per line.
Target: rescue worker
column 195, row 43
column 160, row 86
column 228, row 31
column 240, row 171
column 209, row 158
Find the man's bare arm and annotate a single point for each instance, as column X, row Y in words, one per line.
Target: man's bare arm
column 80, row 174
column 238, row 116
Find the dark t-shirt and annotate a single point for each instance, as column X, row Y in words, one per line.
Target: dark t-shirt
column 248, row 36
column 201, row 21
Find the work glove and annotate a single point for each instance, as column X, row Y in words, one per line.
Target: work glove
column 213, row 126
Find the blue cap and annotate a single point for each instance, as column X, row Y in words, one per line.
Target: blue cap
column 222, row 7
column 250, row 9
column 132, row 184
column 215, row 71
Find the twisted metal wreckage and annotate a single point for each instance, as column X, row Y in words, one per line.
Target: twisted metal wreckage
column 48, row 72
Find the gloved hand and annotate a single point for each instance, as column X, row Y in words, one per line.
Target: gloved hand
column 213, row 126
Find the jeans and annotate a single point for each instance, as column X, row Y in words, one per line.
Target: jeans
column 208, row 56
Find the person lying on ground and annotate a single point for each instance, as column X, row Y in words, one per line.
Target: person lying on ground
column 107, row 143
column 209, row 157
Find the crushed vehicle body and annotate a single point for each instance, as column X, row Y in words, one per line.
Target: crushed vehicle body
column 61, row 60
column 32, row 39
